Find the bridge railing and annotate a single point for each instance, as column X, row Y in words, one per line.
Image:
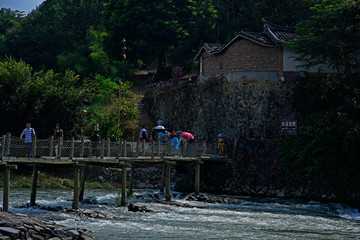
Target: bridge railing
column 69, row 149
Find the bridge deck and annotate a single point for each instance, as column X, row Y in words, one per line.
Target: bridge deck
column 110, row 160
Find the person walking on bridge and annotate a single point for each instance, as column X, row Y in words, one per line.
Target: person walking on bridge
column 143, row 134
column 175, row 144
column 57, row 138
column 29, row 133
column 95, row 143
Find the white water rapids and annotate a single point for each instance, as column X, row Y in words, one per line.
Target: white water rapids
column 252, row 218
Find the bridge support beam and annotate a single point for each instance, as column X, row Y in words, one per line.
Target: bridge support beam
column 82, row 182
column 167, row 183
column 123, row 185
column 197, row 177
column 131, row 183
column 162, row 181
column 6, row 192
column 76, row 188
column 34, row 181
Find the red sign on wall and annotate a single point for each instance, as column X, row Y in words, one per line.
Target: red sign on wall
column 288, row 127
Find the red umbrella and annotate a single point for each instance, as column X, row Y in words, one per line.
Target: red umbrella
column 187, row 135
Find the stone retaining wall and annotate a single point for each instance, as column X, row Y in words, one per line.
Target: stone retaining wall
column 221, row 106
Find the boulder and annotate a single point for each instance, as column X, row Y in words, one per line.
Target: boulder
column 10, row 232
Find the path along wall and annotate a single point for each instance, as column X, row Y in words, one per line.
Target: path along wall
column 220, row 106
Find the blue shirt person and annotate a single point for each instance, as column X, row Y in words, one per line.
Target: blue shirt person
column 175, row 144
column 29, row 133
column 160, row 137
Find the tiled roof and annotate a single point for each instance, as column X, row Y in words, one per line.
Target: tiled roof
column 210, row 47
column 279, row 34
column 272, row 36
column 260, row 38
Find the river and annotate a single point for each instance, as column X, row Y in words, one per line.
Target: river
column 253, row 218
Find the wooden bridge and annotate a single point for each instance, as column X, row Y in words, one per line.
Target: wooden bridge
column 79, row 154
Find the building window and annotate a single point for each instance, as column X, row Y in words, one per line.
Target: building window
column 221, row 66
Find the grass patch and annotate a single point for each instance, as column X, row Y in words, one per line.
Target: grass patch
column 52, row 182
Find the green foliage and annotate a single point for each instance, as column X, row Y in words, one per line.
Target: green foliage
column 42, row 98
column 154, row 28
column 109, row 110
column 325, row 154
column 234, row 16
column 331, row 36
column 9, row 19
column 56, row 32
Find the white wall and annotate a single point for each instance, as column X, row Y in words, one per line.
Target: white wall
column 291, row 65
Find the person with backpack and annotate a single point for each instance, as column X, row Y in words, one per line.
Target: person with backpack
column 143, row 134
column 29, row 133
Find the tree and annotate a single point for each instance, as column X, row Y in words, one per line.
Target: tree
column 42, row 98
column 8, row 20
column 331, row 36
column 246, row 15
column 153, row 29
column 56, row 33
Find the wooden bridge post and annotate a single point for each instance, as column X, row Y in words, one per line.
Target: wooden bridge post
column 35, row 175
column 131, row 183
column 102, row 148
column 34, row 146
column 185, row 149
column 82, row 182
column 82, row 147
column 125, row 149
column 59, row 148
column 143, row 147
column 51, row 147
column 169, row 148
column 3, row 141
column 123, row 186
column 164, row 149
column 8, row 138
column 195, row 150
column 167, row 182
column 72, row 146
column 137, row 149
column 108, row 147
column 197, row 178
column 204, row 148
column 6, row 192
column 162, row 181
column 76, row 188
column 159, row 149
column 120, row 148
column 152, row 149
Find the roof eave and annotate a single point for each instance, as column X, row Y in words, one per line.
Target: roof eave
column 196, row 58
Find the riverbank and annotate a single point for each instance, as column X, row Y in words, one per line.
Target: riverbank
column 20, row 226
column 23, row 180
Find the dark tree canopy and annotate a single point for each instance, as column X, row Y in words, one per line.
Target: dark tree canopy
column 331, row 36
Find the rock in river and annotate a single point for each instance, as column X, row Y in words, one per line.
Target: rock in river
column 15, row 226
